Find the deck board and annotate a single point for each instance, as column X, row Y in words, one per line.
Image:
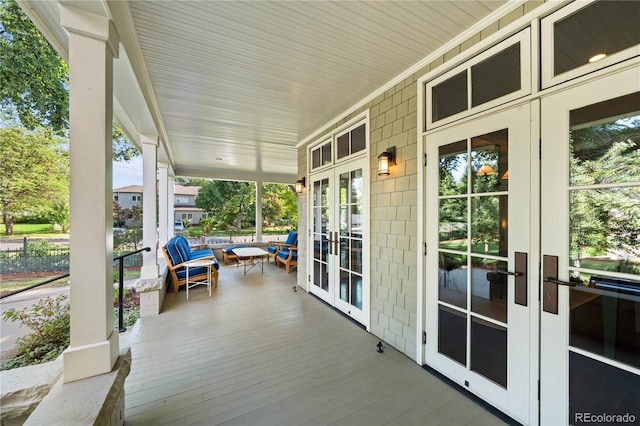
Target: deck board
column 258, row 353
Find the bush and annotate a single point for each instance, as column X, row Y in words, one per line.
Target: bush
column 49, row 321
column 195, row 232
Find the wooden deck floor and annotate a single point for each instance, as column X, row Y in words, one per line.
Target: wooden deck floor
column 257, row 353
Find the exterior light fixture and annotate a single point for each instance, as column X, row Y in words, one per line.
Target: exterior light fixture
column 300, row 183
column 385, row 160
column 486, row 170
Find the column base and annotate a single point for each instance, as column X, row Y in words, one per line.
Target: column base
column 81, row 362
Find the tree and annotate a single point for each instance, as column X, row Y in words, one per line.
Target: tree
column 229, row 202
column 34, row 173
column 34, row 80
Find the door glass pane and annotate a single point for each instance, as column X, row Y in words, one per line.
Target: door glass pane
column 490, row 162
column 605, row 318
column 489, row 219
column 489, row 292
column 326, row 153
column 605, row 142
column 344, row 285
column 343, row 145
column 320, row 232
column 596, row 388
column 452, row 334
column 356, row 256
column 489, row 350
column 356, row 290
column 605, row 27
column 454, row 164
column 496, row 76
column 356, row 186
column 452, row 280
column 453, row 224
column 358, row 139
column 449, row 97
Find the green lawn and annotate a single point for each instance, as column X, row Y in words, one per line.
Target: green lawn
column 42, row 230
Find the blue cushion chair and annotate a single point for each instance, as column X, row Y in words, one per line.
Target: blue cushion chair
column 272, row 249
column 288, row 256
column 177, row 252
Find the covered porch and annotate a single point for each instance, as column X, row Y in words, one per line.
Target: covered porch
column 256, row 352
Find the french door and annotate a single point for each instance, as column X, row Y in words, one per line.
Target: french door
column 590, row 245
column 339, row 238
column 478, row 264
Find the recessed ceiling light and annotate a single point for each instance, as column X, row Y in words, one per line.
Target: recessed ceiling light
column 218, row 159
column 596, row 58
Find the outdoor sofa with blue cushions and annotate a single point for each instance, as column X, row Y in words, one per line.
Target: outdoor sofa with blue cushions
column 272, row 249
column 228, row 254
column 177, row 252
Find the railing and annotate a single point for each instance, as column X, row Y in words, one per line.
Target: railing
column 120, row 259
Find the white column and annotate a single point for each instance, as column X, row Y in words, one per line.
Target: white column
column 163, row 205
column 259, row 212
column 149, row 229
column 172, row 199
column 93, row 43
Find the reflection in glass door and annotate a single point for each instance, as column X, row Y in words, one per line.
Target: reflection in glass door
column 590, row 341
column 477, row 262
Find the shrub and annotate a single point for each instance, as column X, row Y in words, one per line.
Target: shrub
column 49, row 321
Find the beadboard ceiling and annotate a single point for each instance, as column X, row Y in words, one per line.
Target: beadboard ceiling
column 231, row 87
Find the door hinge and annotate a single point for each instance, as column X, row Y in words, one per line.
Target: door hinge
column 309, row 278
column 424, row 163
column 424, row 337
column 424, row 245
column 538, row 390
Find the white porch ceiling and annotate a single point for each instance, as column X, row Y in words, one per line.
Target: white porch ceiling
column 231, row 87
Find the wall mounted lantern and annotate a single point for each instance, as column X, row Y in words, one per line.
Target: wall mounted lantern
column 300, row 183
column 385, row 160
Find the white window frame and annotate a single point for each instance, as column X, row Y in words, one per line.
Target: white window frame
column 547, row 51
column 524, row 38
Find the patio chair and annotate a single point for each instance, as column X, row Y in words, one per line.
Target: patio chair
column 229, row 255
column 274, row 246
column 288, row 256
column 177, row 252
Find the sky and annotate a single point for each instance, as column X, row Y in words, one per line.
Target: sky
column 127, row 173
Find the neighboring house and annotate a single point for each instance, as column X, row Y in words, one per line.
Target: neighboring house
column 128, row 197
column 184, row 201
column 185, row 204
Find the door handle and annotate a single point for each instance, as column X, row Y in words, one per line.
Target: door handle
column 330, row 241
column 559, row 282
column 336, row 240
column 501, row 272
column 550, row 284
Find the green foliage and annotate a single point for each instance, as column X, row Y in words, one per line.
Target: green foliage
column 48, row 320
column 42, row 248
column 195, row 232
column 34, row 80
column 131, row 306
column 228, row 202
column 208, row 223
column 186, row 223
column 128, row 241
column 34, row 176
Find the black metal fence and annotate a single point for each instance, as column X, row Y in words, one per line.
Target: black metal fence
column 47, row 259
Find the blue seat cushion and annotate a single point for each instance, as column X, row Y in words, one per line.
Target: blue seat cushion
column 175, row 254
column 272, row 249
column 194, row 273
column 284, row 254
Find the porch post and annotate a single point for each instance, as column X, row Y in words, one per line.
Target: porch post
column 149, row 160
column 259, row 212
column 163, row 204
column 171, row 188
column 93, row 43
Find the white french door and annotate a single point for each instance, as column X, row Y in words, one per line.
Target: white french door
column 590, row 246
column 339, row 238
column 478, row 264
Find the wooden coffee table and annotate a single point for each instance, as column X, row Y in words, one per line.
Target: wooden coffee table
column 254, row 255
